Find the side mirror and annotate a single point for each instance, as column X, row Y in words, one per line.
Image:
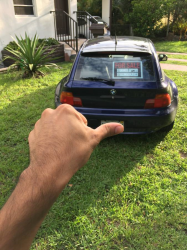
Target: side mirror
column 162, row 57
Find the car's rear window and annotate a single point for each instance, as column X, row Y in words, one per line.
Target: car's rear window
column 116, row 66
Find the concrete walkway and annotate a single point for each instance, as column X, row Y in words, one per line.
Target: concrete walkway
column 173, row 67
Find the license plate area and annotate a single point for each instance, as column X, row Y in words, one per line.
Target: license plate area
column 107, row 121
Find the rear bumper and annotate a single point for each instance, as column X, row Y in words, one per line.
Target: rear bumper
column 136, row 121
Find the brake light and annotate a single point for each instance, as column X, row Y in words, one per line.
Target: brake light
column 160, row 101
column 67, row 97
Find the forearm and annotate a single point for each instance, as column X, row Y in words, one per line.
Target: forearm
column 22, row 215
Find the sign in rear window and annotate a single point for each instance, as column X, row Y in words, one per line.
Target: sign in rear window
column 129, row 69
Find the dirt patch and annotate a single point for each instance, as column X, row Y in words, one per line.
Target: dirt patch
column 183, row 155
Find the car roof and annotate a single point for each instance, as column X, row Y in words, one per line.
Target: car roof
column 121, row 43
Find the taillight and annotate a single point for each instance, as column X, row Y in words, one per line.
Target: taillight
column 67, row 97
column 160, row 101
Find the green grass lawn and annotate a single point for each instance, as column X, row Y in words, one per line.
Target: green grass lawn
column 177, row 56
column 174, row 62
column 130, row 195
column 178, row 47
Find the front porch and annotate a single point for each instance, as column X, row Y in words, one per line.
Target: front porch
column 72, row 26
column 74, row 31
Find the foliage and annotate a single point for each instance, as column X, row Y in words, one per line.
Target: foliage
column 179, row 11
column 30, row 56
column 94, row 7
column 12, row 45
column 176, row 15
column 130, row 195
column 142, row 15
column 121, row 10
column 46, row 41
column 120, row 17
column 145, row 16
column 180, row 27
column 160, row 31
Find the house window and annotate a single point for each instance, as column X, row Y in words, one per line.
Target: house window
column 23, row 7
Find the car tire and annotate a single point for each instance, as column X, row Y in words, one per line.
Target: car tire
column 168, row 128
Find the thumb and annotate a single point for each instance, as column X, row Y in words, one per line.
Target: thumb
column 107, row 130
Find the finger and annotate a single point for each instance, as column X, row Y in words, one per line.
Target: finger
column 47, row 112
column 107, row 130
column 66, row 108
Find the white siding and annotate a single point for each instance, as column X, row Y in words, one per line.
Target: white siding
column 41, row 23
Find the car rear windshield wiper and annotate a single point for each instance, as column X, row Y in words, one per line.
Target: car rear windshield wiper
column 106, row 81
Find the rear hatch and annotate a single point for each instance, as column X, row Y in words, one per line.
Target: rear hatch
column 115, row 80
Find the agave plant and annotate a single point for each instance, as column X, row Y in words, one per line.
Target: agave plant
column 30, row 56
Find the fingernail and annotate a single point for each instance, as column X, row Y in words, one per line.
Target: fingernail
column 119, row 129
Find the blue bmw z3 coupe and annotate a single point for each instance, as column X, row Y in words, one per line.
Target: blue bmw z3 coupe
column 119, row 79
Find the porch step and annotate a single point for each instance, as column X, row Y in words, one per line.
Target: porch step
column 66, row 46
column 68, row 51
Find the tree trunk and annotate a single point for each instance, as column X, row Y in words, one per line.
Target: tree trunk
column 167, row 31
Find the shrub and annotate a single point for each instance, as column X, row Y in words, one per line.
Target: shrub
column 29, row 55
column 180, row 27
column 46, row 41
column 161, row 31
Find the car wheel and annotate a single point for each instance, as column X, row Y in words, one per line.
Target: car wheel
column 167, row 128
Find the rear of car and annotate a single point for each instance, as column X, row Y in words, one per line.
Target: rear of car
column 125, row 86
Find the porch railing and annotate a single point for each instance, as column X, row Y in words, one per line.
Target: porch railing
column 66, row 29
column 84, row 20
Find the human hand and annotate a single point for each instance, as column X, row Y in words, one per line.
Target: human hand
column 61, row 143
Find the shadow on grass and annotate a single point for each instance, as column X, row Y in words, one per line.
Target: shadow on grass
column 91, row 186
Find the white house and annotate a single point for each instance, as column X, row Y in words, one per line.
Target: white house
column 33, row 16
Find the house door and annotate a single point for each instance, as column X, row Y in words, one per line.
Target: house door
column 62, row 26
